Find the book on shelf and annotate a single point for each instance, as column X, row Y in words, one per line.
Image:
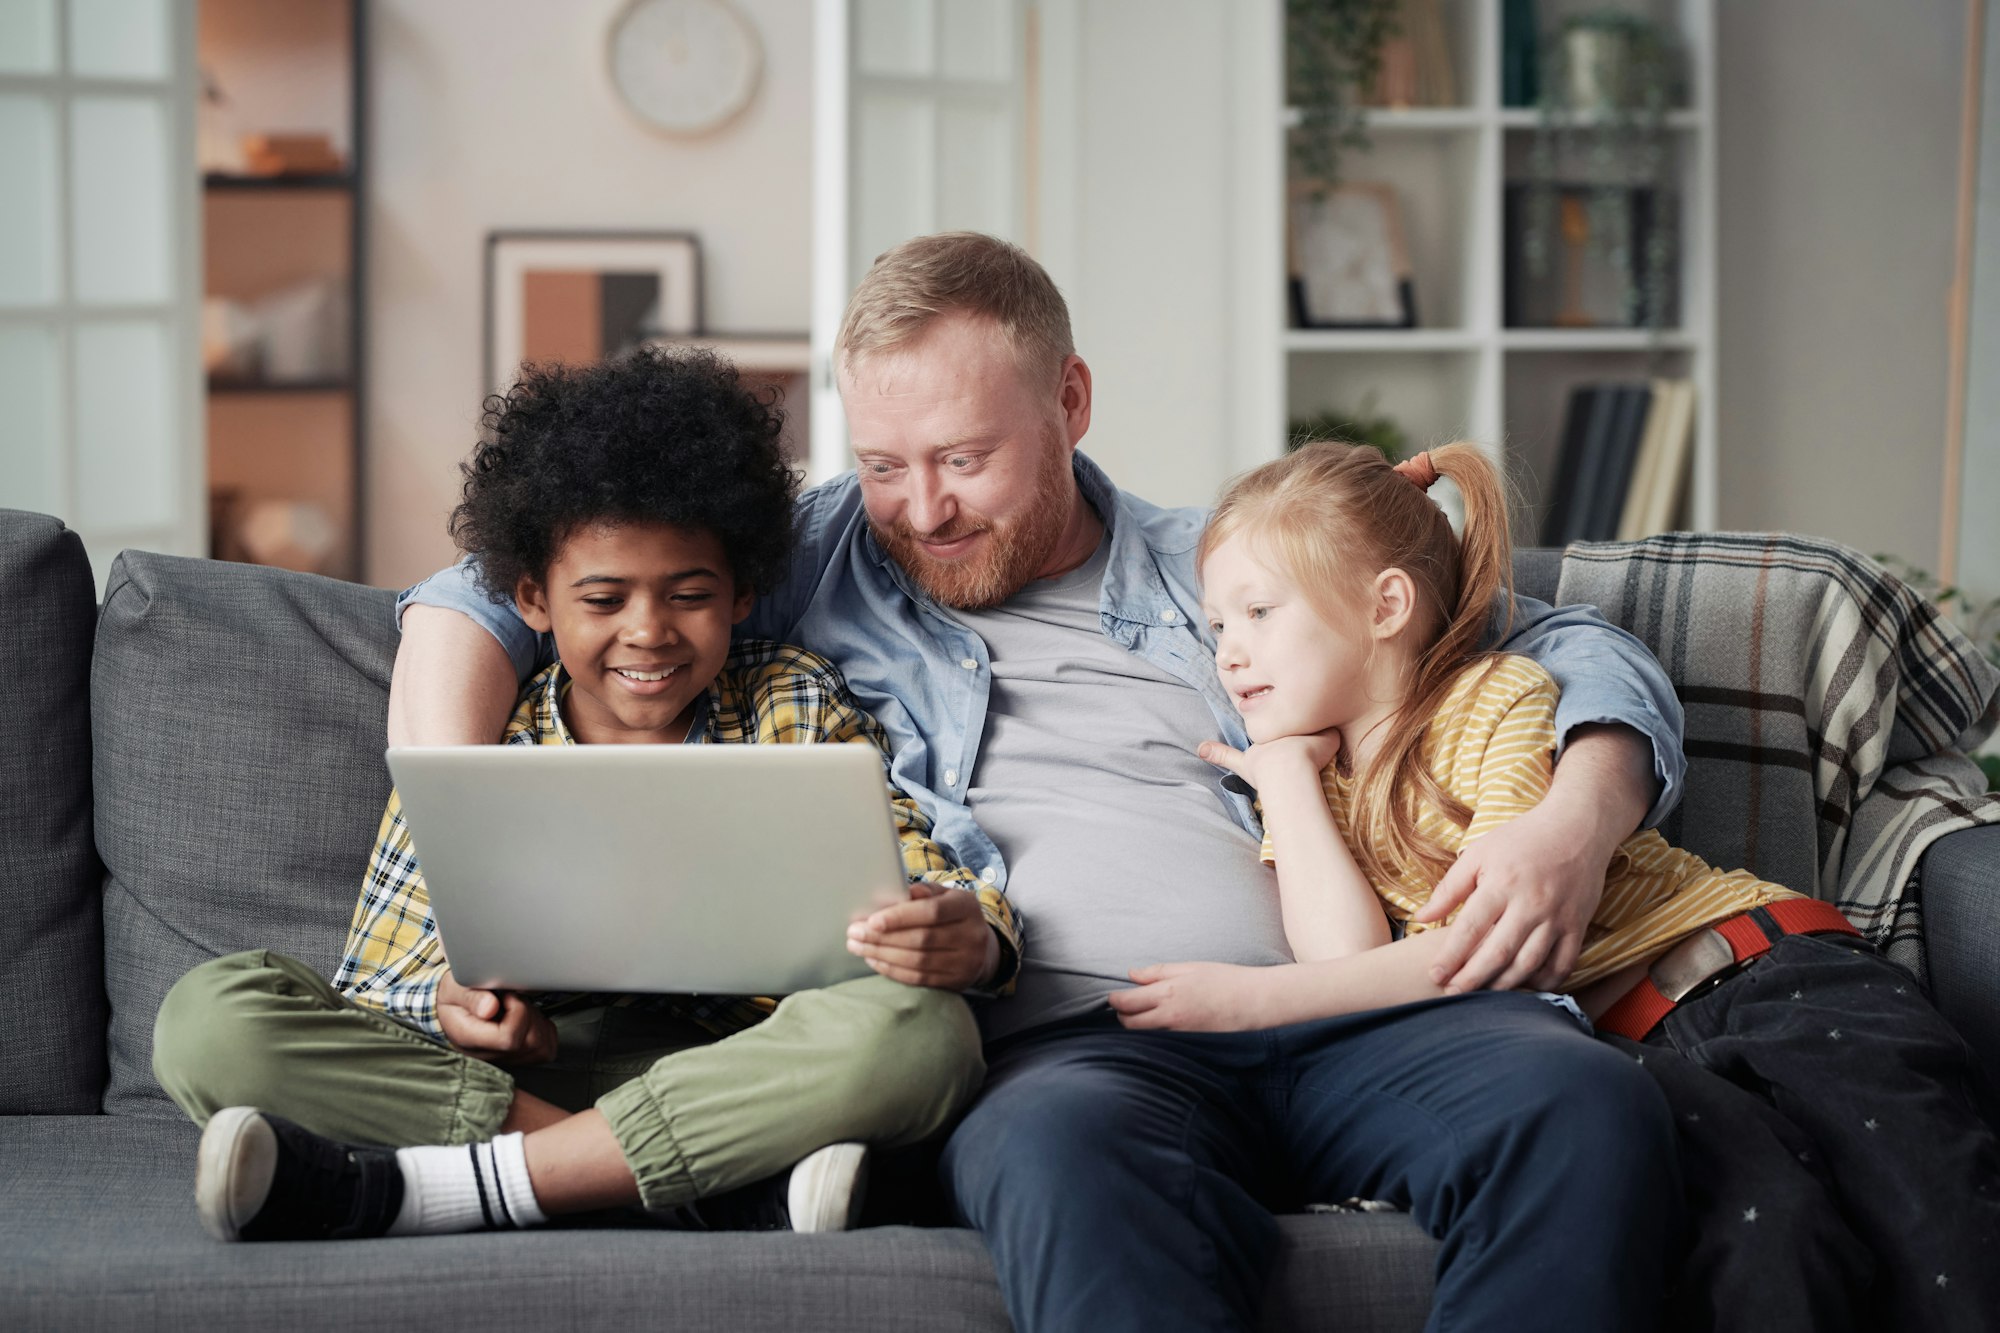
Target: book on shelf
column 1659, row 483
column 1415, row 66
column 1621, row 451
column 1621, row 468
column 1577, row 419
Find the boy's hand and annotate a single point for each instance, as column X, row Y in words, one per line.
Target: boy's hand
column 938, row 938
column 1194, row 997
column 494, row 1025
column 1261, row 763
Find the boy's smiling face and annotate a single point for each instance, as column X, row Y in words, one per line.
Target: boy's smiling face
column 641, row 614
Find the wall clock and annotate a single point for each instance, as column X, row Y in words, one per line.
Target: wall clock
column 685, row 66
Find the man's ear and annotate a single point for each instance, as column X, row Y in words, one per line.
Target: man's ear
column 532, row 601
column 1395, row 603
column 740, row 610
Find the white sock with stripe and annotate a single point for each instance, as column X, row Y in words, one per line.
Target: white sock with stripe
column 467, row 1188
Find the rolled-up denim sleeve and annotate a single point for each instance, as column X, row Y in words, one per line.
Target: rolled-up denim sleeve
column 459, row 589
column 1606, row 675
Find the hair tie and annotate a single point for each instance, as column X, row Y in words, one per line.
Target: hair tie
column 1419, row 471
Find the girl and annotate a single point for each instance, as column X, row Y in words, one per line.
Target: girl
column 1835, row 1155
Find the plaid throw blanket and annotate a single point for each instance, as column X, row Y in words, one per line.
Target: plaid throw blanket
column 1821, row 694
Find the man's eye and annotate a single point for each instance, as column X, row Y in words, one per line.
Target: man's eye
column 961, row 461
column 877, row 469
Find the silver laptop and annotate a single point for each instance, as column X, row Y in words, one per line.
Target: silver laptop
column 724, row 869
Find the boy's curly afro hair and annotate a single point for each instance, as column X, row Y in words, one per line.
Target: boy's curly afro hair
column 656, row 436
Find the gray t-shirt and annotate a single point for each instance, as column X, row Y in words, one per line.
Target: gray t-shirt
column 1119, row 849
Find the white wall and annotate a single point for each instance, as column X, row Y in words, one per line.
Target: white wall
column 1838, row 143
column 1151, row 297
column 499, row 114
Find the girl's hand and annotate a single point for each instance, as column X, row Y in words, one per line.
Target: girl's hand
column 1258, row 764
column 1195, row 997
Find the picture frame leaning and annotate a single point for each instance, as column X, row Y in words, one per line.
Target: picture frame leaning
column 1348, row 257
column 582, row 296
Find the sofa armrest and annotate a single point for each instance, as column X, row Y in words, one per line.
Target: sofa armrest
column 1960, row 880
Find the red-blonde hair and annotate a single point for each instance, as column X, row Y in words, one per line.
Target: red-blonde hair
column 1333, row 516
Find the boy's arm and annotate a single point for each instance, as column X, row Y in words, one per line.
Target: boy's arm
column 394, row 962
column 933, row 939
column 1529, row 893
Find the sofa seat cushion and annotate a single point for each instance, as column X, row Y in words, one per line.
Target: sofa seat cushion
column 98, row 1231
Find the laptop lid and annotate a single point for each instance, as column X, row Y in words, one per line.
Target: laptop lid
column 722, row 869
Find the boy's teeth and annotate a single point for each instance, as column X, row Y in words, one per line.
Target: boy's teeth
column 645, row 675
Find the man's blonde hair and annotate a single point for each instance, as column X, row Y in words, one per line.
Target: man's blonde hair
column 911, row 286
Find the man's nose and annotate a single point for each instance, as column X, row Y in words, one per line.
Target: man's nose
column 931, row 507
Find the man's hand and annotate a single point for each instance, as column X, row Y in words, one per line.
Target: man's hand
column 938, row 938
column 494, row 1025
column 1530, row 887
column 1261, row 763
column 1194, row 997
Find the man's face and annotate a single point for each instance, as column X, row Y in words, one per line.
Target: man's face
column 641, row 614
column 964, row 464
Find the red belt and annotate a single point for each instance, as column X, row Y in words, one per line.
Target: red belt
column 1709, row 955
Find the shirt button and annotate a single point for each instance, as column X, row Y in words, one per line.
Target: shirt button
column 969, row 664
column 989, row 874
column 1170, row 615
column 951, row 777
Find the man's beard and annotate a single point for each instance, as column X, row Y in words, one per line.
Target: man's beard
column 1013, row 552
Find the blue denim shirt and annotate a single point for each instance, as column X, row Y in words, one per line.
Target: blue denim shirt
column 925, row 676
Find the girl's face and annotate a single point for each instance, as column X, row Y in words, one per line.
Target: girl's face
column 1289, row 671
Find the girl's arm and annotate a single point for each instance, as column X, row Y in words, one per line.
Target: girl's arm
column 1329, row 908
column 1222, row 997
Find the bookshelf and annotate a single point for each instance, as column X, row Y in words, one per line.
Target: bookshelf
column 286, row 253
column 1461, row 372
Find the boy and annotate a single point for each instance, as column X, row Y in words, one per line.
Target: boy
column 632, row 510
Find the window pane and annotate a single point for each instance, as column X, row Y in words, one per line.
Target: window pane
column 122, row 201
column 893, row 37
column 978, row 38
column 126, row 414
column 119, row 39
column 28, row 203
column 894, row 185
column 28, row 453
column 975, row 171
column 27, row 36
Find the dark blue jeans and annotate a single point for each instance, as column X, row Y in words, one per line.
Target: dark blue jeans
column 1839, row 1172
column 1125, row 1180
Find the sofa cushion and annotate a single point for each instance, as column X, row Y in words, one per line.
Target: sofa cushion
column 51, row 957
column 98, row 1232
column 237, row 717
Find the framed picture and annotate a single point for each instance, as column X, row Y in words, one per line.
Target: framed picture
column 581, row 296
column 1349, row 261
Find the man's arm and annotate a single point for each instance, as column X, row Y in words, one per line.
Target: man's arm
column 453, row 683
column 1526, row 892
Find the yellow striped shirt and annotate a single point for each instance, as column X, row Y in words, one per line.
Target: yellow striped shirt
column 1492, row 745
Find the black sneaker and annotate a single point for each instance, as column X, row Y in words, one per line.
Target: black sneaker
column 261, row 1177
column 823, row 1192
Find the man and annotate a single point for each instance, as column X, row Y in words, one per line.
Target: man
column 1030, row 637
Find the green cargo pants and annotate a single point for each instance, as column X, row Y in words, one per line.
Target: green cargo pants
column 870, row 1060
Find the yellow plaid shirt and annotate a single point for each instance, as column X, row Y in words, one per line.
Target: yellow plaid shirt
column 766, row 694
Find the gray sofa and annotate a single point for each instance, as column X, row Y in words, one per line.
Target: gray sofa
column 196, row 768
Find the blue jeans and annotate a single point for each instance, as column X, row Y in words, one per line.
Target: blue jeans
column 1125, row 1180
